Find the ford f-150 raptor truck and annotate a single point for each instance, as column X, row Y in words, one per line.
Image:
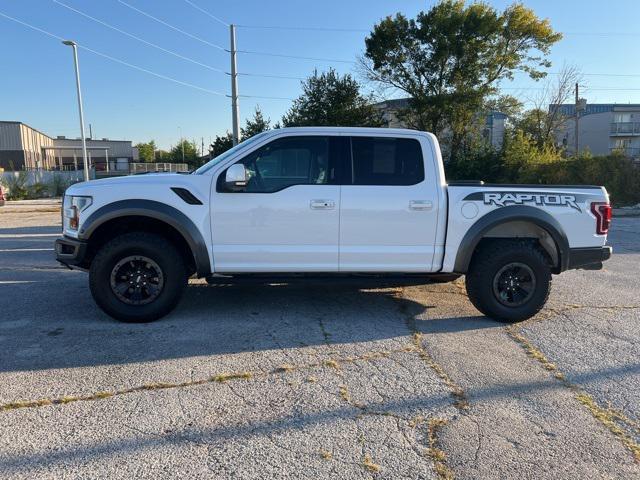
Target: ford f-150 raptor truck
column 328, row 201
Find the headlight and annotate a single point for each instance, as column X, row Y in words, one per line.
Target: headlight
column 71, row 209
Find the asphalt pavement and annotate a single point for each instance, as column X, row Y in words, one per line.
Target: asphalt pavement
column 316, row 380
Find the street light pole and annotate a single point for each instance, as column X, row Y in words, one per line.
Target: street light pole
column 73, row 45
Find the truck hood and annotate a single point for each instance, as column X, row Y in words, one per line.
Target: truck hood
column 128, row 182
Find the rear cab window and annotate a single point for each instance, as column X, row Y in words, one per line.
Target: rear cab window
column 386, row 161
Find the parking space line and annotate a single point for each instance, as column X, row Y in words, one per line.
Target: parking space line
column 8, row 250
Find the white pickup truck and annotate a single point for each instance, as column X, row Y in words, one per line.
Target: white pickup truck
column 331, row 202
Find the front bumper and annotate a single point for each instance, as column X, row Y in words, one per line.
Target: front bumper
column 590, row 258
column 71, row 252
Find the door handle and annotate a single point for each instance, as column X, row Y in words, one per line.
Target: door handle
column 420, row 205
column 322, row 204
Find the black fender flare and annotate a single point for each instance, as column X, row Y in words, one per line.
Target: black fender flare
column 510, row 214
column 158, row 211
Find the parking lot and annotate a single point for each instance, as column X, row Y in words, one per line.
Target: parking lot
column 316, row 380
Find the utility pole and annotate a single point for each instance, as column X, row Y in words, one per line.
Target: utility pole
column 84, row 140
column 235, row 109
column 90, row 132
column 202, row 146
column 577, row 117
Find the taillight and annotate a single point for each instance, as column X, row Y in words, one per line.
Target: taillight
column 602, row 212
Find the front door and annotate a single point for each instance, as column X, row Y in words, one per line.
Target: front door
column 389, row 210
column 287, row 218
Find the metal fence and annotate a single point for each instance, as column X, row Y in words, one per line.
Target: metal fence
column 158, row 167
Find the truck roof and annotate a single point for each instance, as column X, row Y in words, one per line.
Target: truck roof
column 359, row 130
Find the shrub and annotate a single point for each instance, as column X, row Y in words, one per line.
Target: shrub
column 37, row 190
column 16, row 186
column 522, row 161
column 58, row 185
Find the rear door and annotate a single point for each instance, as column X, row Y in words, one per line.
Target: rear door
column 388, row 214
column 287, row 218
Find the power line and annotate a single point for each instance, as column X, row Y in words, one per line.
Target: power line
column 319, row 29
column 269, row 54
column 586, row 87
column 148, row 15
column 113, row 59
column 207, row 13
column 175, row 54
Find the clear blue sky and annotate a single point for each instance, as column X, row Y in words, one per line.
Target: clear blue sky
column 37, row 83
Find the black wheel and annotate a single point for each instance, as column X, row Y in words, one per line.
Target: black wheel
column 509, row 280
column 137, row 277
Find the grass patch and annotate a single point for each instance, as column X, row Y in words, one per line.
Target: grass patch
column 332, row 363
column 434, row 452
column 369, row 464
column 608, row 417
column 461, row 402
column 325, row 454
column 285, row 368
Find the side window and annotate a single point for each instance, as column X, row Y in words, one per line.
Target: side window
column 288, row 161
column 386, row 161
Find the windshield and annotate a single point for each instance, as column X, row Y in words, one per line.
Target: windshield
column 241, row 146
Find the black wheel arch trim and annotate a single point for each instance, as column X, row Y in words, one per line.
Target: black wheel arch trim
column 157, row 211
column 510, row 214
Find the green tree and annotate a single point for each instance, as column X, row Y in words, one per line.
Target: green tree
column 147, row 151
column 163, row 156
column 256, row 124
column 190, row 153
column 522, row 157
column 451, row 58
column 221, row 144
column 332, row 100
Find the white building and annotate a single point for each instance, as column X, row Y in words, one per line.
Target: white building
column 602, row 128
column 25, row 148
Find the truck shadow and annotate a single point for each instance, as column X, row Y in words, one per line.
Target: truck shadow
column 60, row 326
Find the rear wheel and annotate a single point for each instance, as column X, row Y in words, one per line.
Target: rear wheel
column 137, row 277
column 509, row 280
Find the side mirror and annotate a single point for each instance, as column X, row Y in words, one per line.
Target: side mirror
column 236, row 178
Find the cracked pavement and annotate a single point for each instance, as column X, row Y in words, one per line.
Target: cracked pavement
column 315, row 380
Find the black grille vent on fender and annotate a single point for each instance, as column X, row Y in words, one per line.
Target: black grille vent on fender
column 186, row 195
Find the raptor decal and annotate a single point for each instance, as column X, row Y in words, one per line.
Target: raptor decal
column 502, row 199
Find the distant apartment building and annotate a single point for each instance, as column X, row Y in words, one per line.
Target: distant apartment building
column 602, row 128
column 25, row 148
column 491, row 125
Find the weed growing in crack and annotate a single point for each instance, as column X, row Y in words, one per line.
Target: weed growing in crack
column 368, row 463
column 326, row 454
column 606, row 416
column 434, row 452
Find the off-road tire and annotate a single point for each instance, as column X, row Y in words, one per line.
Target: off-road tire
column 486, row 264
column 154, row 247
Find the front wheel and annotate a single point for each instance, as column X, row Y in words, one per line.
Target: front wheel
column 137, row 277
column 509, row 280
